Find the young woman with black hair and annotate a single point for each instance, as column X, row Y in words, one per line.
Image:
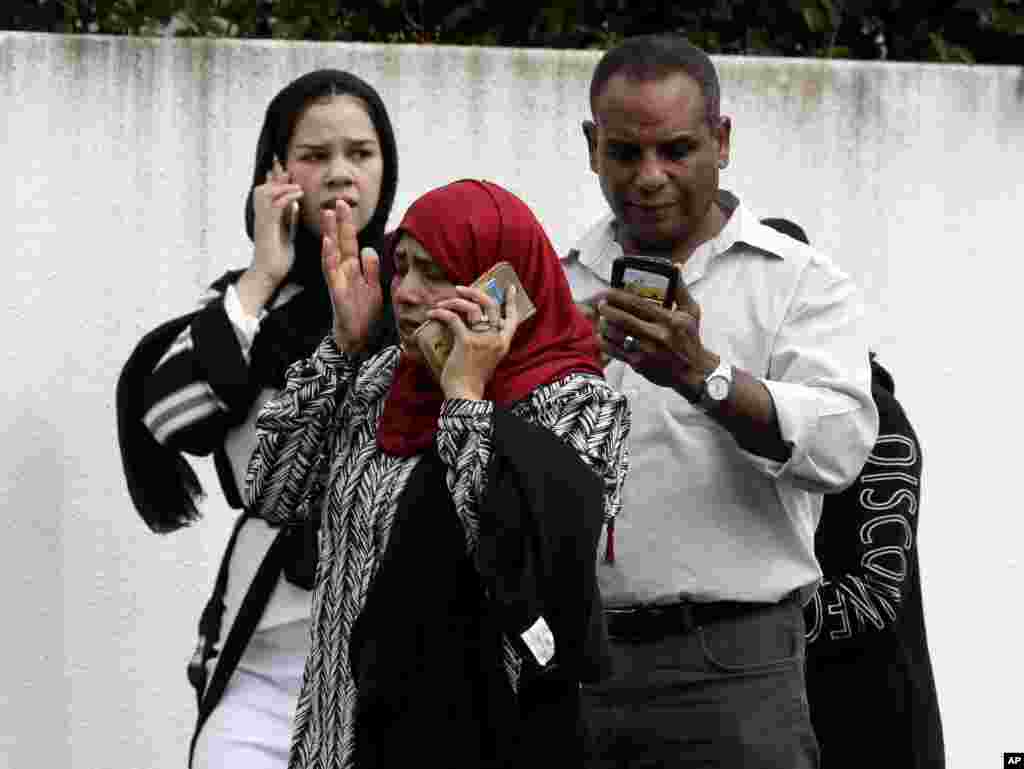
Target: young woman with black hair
column 195, row 384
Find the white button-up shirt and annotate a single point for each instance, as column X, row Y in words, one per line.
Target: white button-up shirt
column 702, row 518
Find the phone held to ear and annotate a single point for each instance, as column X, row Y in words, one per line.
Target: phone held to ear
column 436, row 340
column 293, row 221
column 647, row 277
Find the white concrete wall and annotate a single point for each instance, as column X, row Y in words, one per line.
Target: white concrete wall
column 126, row 165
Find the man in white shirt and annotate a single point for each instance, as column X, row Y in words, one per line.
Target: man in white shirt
column 750, row 398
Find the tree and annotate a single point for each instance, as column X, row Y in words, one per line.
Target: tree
column 965, row 31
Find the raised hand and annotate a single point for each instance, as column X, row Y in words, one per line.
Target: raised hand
column 353, row 279
column 482, row 339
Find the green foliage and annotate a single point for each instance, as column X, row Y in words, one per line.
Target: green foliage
column 957, row 31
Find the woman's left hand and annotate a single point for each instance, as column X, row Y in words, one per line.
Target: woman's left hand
column 353, row 278
column 482, row 339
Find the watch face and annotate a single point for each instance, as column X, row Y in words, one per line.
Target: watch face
column 718, row 388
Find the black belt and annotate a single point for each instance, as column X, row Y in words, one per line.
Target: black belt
column 654, row 621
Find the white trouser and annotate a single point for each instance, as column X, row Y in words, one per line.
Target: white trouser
column 251, row 727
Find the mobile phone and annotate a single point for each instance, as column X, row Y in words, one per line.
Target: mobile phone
column 647, row 277
column 293, row 221
column 436, row 340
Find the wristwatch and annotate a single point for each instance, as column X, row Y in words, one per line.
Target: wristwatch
column 717, row 388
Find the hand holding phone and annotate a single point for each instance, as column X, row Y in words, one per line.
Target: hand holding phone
column 275, row 219
column 435, row 339
column 653, row 280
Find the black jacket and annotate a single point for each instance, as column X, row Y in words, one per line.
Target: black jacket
column 869, row 675
column 426, row 652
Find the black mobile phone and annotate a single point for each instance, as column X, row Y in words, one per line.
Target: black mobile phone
column 645, row 276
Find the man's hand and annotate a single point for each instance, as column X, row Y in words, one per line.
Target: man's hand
column 667, row 349
column 668, row 352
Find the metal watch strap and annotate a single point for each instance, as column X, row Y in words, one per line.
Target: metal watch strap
column 724, row 370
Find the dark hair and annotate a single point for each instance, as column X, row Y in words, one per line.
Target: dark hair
column 786, row 227
column 653, row 57
column 283, row 113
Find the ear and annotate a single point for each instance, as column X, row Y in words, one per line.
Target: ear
column 723, row 135
column 590, row 134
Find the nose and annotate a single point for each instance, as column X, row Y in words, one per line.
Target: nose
column 406, row 290
column 650, row 175
column 338, row 171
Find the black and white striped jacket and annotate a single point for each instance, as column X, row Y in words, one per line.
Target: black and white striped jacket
column 317, row 449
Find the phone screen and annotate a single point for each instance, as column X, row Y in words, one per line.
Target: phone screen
column 496, row 292
column 649, row 285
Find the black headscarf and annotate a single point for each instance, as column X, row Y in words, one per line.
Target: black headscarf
column 293, row 330
column 162, row 484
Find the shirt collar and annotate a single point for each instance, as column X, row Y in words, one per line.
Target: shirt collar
column 598, row 247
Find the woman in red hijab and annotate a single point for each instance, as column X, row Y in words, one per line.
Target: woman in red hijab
column 455, row 611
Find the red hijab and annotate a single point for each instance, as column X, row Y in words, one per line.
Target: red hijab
column 467, row 227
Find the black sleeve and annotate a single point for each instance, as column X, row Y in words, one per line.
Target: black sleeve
column 163, row 486
column 200, row 387
column 866, row 541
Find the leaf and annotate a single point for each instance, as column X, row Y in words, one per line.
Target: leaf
column 835, row 10
column 759, row 42
column 947, row 52
column 1006, row 21
column 815, row 19
column 554, row 20
column 219, row 25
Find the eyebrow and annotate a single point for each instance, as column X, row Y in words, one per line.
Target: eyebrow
column 350, row 142
column 682, row 137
